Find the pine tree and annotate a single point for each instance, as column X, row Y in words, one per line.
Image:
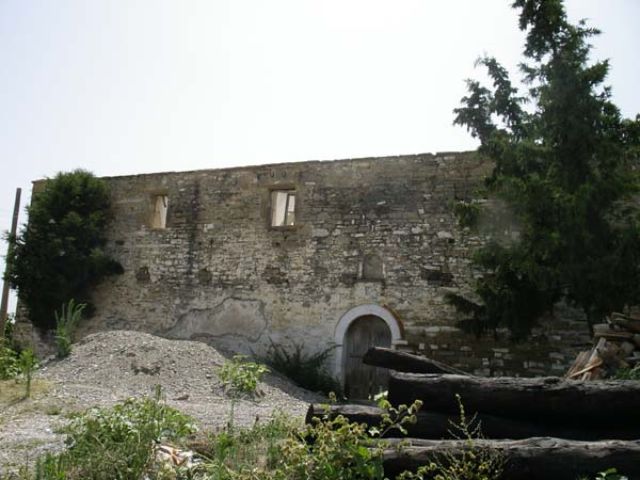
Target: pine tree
column 60, row 254
column 564, row 166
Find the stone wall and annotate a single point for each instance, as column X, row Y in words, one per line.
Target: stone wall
column 377, row 231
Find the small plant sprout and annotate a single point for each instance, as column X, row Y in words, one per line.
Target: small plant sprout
column 27, row 363
column 240, row 376
column 66, row 323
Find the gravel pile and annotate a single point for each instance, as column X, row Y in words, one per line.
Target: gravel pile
column 108, row 367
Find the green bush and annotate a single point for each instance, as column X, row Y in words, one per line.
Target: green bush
column 628, row 373
column 60, row 254
column 66, row 323
column 8, row 361
column 115, row 443
column 327, row 449
column 610, row 474
column 9, row 367
column 236, row 454
column 118, row 444
column 306, row 370
column 240, row 376
column 472, row 463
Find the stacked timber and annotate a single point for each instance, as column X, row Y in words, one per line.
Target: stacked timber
column 616, row 346
column 405, row 362
column 544, row 427
column 530, row 459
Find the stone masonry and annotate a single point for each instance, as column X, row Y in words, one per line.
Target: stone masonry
column 374, row 232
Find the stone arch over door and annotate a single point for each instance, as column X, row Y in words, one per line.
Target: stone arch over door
column 360, row 327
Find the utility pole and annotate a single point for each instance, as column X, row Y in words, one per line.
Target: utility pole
column 4, row 305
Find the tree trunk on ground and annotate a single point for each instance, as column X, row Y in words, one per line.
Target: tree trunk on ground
column 541, row 458
column 435, row 425
column 533, row 399
column 405, row 362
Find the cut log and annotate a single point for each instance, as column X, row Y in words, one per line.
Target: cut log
column 533, row 399
column 601, row 328
column 579, row 364
column 614, row 335
column 531, row 459
column 628, row 323
column 593, row 359
column 405, row 362
column 434, row 425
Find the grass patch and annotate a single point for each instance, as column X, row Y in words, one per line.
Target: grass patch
column 13, row 391
column 306, row 369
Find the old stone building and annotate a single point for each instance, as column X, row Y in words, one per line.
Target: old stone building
column 342, row 253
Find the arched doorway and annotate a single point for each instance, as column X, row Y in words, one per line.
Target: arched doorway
column 358, row 330
column 360, row 380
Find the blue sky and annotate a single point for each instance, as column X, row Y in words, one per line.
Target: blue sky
column 132, row 86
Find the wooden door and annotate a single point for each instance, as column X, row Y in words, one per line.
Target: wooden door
column 362, row 381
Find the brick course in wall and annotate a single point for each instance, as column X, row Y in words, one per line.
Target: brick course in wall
column 375, row 231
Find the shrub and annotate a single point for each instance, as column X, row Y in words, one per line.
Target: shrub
column 115, row 443
column 241, row 377
column 59, row 255
column 237, row 454
column 66, row 323
column 628, row 373
column 610, row 474
column 306, row 370
column 327, row 449
column 9, row 367
column 472, row 463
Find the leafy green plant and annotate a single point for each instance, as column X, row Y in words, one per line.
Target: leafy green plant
column 59, row 254
column 66, row 323
column 327, row 449
column 115, row 443
column 471, row 463
column 306, row 370
column 628, row 373
column 245, row 453
column 27, row 363
column 9, row 367
column 240, row 376
column 610, row 474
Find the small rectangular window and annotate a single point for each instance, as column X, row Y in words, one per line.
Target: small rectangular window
column 283, row 208
column 160, row 207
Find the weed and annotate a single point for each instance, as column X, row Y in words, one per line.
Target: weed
column 327, row 449
column 9, row 367
column 27, row 362
column 241, row 377
column 8, row 352
column 306, row 370
column 472, row 463
column 115, row 443
column 238, row 454
column 628, row 373
column 66, row 323
column 12, row 392
column 610, row 474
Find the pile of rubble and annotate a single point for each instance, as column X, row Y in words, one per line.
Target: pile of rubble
column 616, row 346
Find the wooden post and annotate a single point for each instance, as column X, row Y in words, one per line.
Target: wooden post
column 4, row 304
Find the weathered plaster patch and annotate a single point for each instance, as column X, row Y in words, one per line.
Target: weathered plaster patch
column 233, row 317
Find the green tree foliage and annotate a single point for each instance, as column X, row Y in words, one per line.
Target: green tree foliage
column 564, row 165
column 59, row 255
